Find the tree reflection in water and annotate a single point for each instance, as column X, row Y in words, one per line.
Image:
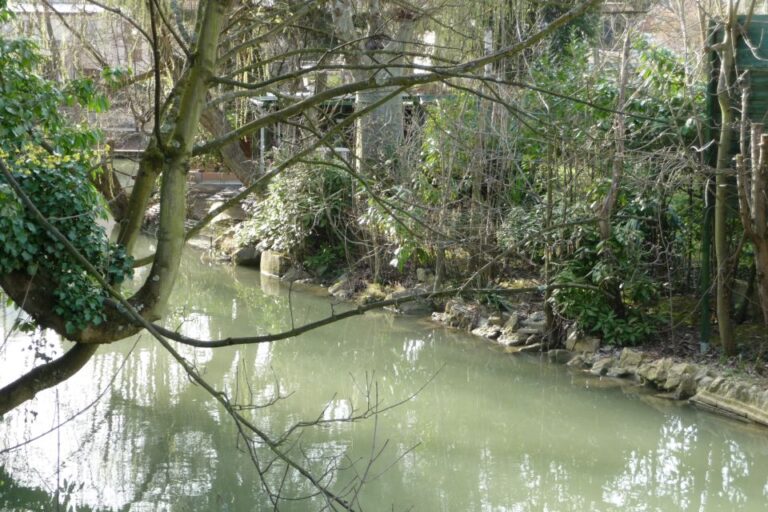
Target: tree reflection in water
column 494, row 432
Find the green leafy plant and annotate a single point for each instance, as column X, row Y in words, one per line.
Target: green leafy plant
column 400, row 233
column 626, row 269
column 305, row 204
column 622, row 263
column 323, row 261
column 53, row 161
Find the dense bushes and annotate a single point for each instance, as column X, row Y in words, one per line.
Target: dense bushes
column 521, row 178
column 305, row 213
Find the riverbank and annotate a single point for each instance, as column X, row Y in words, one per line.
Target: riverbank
column 714, row 386
column 676, row 373
column 672, row 365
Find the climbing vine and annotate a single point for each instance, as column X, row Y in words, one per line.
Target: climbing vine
column 53, row 160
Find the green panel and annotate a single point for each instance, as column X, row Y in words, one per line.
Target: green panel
column 752, row 56
column 755, row 54
column 758, row 103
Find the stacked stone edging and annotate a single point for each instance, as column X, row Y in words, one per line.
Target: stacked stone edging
column 736, row 399
column 700, row 385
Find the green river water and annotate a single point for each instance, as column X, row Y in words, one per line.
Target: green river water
column 489, row 431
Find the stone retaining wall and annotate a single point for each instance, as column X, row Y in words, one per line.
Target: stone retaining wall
column 699, row 385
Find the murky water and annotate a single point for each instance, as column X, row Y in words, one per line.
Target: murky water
column 489, row 432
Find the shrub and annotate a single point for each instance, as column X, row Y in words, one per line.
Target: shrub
column 623, row 264
column 305, row 205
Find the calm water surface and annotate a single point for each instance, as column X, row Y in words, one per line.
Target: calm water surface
column 489, row 432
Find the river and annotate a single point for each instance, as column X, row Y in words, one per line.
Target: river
column 486, row 431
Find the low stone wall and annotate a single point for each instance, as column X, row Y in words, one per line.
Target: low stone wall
column 517, row 331
column 700, row 385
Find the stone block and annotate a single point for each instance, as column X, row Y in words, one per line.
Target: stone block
column 655, row 371
column 512, row 340
column 602, row 366
column 274, row 263
column 462, row 316
column 489, row 331
column 631, row 359
column 513, row 323
column 578, row 342
column 686, row 388
column 679, row 373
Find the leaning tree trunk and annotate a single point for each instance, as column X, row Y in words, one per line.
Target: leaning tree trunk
column 177, row 150
column 45, row 376
column 232, row 154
